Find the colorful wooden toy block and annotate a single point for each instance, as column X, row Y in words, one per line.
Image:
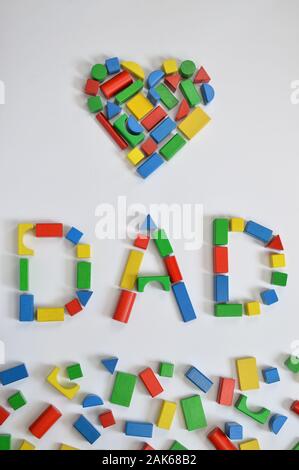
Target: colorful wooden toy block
column 172, row 146
column 116, row 84
column 133, row 126
column 247, row 373
column 92, row 87
column 121, row 126
column 110, row 364
column 45, row 421
column 276, row 422
column 17, row 400
column 279, row 279
column 74, row 235
column 4, row 414
column 5, row 442
column 151, row 382
column 153, row 96
column 84, row 296
column 153, row 118
column 258, row 231
column 269, row 297
column 27, row 446
column 13, row 374
column 199, row 379
column 173, row 269
column 134, row 68
column 226, row 391
column 193, row 412
column 131, row 270
column 237, row 224
column 67, row 447
column 166, row 415
column 112, row 109
column 122, row 144
column 49, row 230
column 149, row 146
column 112, row 65
column 220, row 441
column 134, row 428
column 150, row 165
column 166, row 369
column 26, row 307
column 163, row 130
column 172, row 81
column 234, row 431
column 154, row 78
column 176, row 445
column 167, row 98
column 295, row 407
column 129, row 92
column 275, row 243
column 74, row 371
column 170, row 66
column 139, row 106
column 292, row 364
column 271, row 375
column 142, row 282
column 83, row 275
column 252, row 444
column 201, row 76
column 252, row 308
column 107, row 419
column 86, row 429
column 193, row 123
column 23, row 229
column 68, row 391
column 261, row 416
column 183, row 301
column 47, row 314
column 220, row 259
column 147, row 447
column 123, row 389
column 183, row 110
column 221, row 293
column 92, row 400
column 73, row 307
column 99, row 72
column 124, row 306
column 228, row 310
column 277, row 261
column 187, row 68
column 207, row 93
column 296, row 446
column 142, row 241
column 94, row 104
column 24, row 274
column 83, row 250
column 190, row 92
column 135, row 156
column 162, row 243
column 148, row 225
column 220, row 231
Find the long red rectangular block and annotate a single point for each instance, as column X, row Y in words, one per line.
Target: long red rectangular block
column 4, row 414
column 124, row 306
column 226, row 391
column 173, row 268
column 45, row 421
column 220, row 441
column 49, row 230
column 153, row 118
column 111, row 131
column 151, row 382
column 220, row 259
column 116, row 84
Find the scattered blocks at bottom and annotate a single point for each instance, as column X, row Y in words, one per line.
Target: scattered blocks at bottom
column 137, row 429
column 86, row 429
column 252, row 444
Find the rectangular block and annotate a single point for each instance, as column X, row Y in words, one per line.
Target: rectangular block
column 226, row 391
column 220, row 259
column 17, row 400
column 151, row 382
column 237, row 224
column 13, row 374
column 279, row 279
column 121, row 126
column 121, row 143
column 221, row 293
column 128, row 92
column 193, row 412
column 172, row 146
column 4, row 414
column 150, row 165
column 277, row 260
column 139, row 106
column 86, row 429
column 193, row 123
column 167, row 98
column 162, row 243
column 253, row 444
column 135, row 156
column 137, row 429
column 228, row 310
column 258, row 231
column 199, row 379
column 46, row 314
column 166, row 415
column 173, row 268
column 183, row 301
column 26, row 446
column 123, row 389
column 131, row 270
column 163, row 130
column 83, row 250
column 166, row 369
column 24, row 274
column 220, row 231
column 5, row 442
column 153, row 118
column 26, row 307
column 247, row 373
column 49, row 230
column 190, row 92
column 149, row 146
column 83, row 275
column 252, row 308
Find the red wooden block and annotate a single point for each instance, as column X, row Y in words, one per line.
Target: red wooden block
column 220, row 441
column 124, row 306
column 147, row 447
column 49, row 230
column 110, row 129
column 183, row 110
column 226, row 391
column 153, row 118
column 295, row 407
column 173, row 268
column 115, row 84
column 151, row 382
column 107, row 419
column 275, row 243
column 142, row 241
column 202, row 76
column 92, row 87
column 45, row 421
column 73, row 307
column 220, row 259
column 172, row 81
column 4, row 414
column 149, row 146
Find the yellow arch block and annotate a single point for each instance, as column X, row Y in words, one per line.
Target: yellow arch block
column 134, row 68
column 68, row 392
column 26, row 446
column 167, row 413
column 66, row 447
column 23, row 250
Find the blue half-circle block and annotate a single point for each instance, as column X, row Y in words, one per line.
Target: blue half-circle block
column 153, row 96
column 110, row 364
column 84, row 296
column 207, row 92
column 92, row 400
column 133, row 126
column 276, row 422
column 154, row 78
column 112, row 109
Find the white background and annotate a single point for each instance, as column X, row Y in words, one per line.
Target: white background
column 58, row 165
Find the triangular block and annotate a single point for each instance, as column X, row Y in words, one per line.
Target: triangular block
column 207, row 93
column 112, row 109
column 202, row 76
column 148, row 224
column 84, row 296
column 275, row 243
column 183, row 110
column 172, row 81
column 110, row 364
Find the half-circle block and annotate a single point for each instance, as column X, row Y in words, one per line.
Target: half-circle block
column 276, row 422
column 133, row 125
column 207, row 93
column 154, row 78
column 92, row 400
column 68, row 392
column 260, row 416
column 142, row 281
column 23, row 250
column 134, row 68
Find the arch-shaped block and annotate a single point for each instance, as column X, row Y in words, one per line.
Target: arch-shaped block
column 142, row 282
column 68, row 392
column 260, row 416
column 23, row 250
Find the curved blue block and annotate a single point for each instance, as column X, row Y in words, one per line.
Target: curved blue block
column 276, row 422
column 154, row 78
column 92, row 400
column 153, row 96
column 133, row 126
column 207, row 93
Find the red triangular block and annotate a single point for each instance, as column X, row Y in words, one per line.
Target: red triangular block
column 202, row 76
column 172, row 81
column 183, row 110
column 275, row 243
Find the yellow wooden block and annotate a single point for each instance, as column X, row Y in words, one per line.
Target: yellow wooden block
column 66, row 447
column 131, row 270
column 46, row 314
column 237, row 224
column 68, row 392
column 277, row 260
column 166, row 416
column 252, row 308
column 247, row 373
column 170, row 66
column 134, row 68
column 253, row 444
column 139, row 105
column 135, row 156
column 83, row 250
column 26, row 446
column 23, row 250
column 193, row 123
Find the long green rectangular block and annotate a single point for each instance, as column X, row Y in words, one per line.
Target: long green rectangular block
column 128, row 92
column 121, row 127
column 167, row 98
column 5, row 441
column 123, row 389
column 172, row 146
column 83, row 275
column 176, row 445
column 162, row 243
column 220, row 231
column 228, row 310
column 193, row 412
column 24, row 274
column 190, row 92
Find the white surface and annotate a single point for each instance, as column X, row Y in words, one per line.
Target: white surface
column 56, row 164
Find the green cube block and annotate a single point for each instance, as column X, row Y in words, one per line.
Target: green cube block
column 190, row 92
column 17, row 400
column 279, row 279
column 162, row 243
column 24, row 274
column 128, row 92
column 83, row 275
column 5, row 441
column 94, row 104
column 176, row 445
column 121, row 126
column 99, row 72
column 172, row 146
column 220, row 231
column 166, row 369
column 193, row 412
column 74, row 371
column 123, row 389
column 167, row 98
column 292, row 363
column 228, row 310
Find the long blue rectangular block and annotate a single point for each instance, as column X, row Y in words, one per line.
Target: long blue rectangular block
column 86, row 429
column 13, row 374
column 150, row 165
column 183, row 300
column 221, row 288
column 199, row 379
column 258, row 231
column 137, row 429
column 26, row 308
column 163, row 130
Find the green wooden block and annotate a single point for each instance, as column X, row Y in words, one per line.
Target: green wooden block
column 74, row 371
column 190, row 92
column 162, row 243
column 132, row 139
column 142, row 281
column 94, row 104
column 279, row 279
column 296, row 446
column 17, row 400
column 172, row 146
column 292, row 364
column 167, row 98
column 193, row 412
column 260, row 416
column 24, row 274
column 187, row 68
column 123, row 389
column 128, row 92
column 176, row 445
column 166, row 369
column 5, row 441
column 83, row 275
column 220, row 231
column 228, row 310
column 99, row 72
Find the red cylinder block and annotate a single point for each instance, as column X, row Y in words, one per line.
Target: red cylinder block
column 220, row 441
column 295, row 407
column 45, row 421
column 116, row 84
column 124, row 307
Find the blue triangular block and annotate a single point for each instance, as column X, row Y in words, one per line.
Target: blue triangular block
column 84, row 296
column 110, row 364
column 207, row 92
column 148, row 224
column 92, row 400
column 112, row 109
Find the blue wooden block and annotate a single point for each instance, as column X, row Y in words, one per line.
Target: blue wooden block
column 183, row 300
column 148, row 224
column 137, row 429
column 207, row 93
column 199, row 379
column 92, row 400
column 26, row 311
column 74, row 235
column 84, row 296
column 234, row 431
column 276, row 422
column 110, row 364
column 112, row 109
column 163, row 130
column 258, row 231
column 221, row 288
column 13, row 374
column 271, row 375
column 112, row 65
column 153, row 96
column 150, row 165
column 269, row 297
column 86, row 429
column 154, row 78
column 134, row 126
